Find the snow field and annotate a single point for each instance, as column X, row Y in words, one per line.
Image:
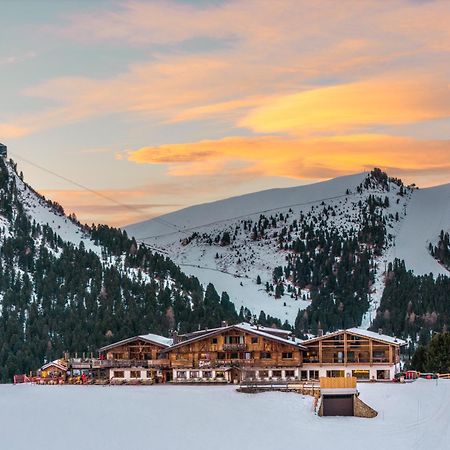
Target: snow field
column 167, row 417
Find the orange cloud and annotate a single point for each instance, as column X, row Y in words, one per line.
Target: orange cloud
column 11, row 131
column 312, row 158
column 354, row 105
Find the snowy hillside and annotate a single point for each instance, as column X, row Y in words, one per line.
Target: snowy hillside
column 43, row 213
column 427, row 214
column 192, row 237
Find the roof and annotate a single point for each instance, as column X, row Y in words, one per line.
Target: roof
column 56, row 364
column 155, row 339
column 362, row 333
column 245, row 327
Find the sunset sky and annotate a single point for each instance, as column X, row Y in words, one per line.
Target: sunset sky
column 164, row 104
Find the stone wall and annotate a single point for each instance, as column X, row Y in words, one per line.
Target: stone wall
column 360, row 409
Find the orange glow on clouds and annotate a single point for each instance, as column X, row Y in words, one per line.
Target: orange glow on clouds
column 312, row 158
column 347, row 106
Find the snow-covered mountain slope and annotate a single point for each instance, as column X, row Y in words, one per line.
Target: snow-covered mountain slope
column 188, row 219
column 427, row 214
column 191, row 236
column 43, row 213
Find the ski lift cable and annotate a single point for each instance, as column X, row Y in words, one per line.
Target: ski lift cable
column 93, row 191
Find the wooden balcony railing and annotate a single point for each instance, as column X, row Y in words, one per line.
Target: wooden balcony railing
column 234, row 347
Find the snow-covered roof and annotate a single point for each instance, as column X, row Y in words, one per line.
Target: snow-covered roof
column 245, row 327
column 360, row 332
column 56, row 363
column 374, row 335
column 156, row 339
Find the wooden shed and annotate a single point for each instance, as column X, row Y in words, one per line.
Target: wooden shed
column 339, row 397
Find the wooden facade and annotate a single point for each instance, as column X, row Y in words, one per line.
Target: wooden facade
column 359, row 353
column 242, row 352
column 234, row 352
column 137, row 358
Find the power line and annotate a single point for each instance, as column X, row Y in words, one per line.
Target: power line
column 93, row 191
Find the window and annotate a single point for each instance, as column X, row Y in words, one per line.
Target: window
column 361, row 374
column 266, row 355
column 254, row 340
column 249, row 374
column 135, row 374
column 220, row 374
column 263, row 373
column 313, row 374
column 290, row 373
column 181, row 374
column 194, row 373
column 180, row 356
column 276, row 373
column 248, row 355
column 286, row 355
column 118, row 356
column 234, row 339
column 304, row 375
column 335, row 373
column 118, row 374
column 383, row 374
column 214, row 340
column 234, row 356
column 220, row 355
column 207, row 374
column 150, row 374
column 204, row 356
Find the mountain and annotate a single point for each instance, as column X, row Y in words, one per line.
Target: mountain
column 65, row 287
column 388, row 220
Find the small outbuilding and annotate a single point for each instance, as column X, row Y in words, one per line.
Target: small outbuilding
column 339, row 397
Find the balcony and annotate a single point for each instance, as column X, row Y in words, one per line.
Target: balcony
column 234, row 347
column 125, row 363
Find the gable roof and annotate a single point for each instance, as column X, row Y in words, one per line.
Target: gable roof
column 244, row 327
column 56, row 364
column 150, row 338
column 361, row 333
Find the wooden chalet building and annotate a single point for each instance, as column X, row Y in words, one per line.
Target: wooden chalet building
column 234, row 353
column 354, row 352
column 136, row 358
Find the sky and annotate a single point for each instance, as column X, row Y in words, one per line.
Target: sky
column 158, row 105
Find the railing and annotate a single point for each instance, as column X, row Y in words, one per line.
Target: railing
column 234, row 347
column 116, row 363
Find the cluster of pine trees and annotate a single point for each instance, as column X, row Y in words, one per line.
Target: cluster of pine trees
column 56, row 297
column 441, row 251
column 435, row 356
column 413, row 306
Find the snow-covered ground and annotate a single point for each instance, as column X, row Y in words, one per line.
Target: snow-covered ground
column 411, row 416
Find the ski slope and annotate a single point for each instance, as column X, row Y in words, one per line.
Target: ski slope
column 164, row 417
column 427, row 214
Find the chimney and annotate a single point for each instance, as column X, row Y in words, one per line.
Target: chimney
column 380, row 331
column 223, row 324
column 175, row 337
column 320, row 332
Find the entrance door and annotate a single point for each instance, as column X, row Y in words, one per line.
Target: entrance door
column 338, row 405
column 235, row 375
